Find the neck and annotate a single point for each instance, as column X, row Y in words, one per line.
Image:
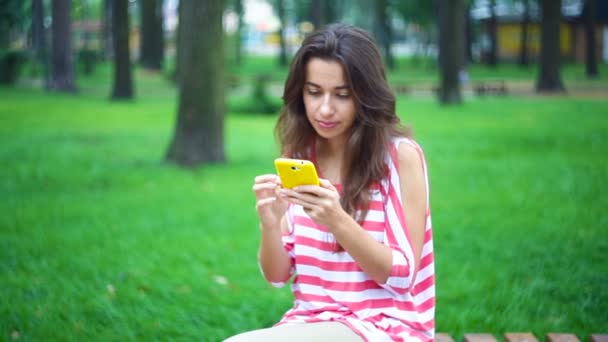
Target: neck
column 331, row 159
column 331, row 149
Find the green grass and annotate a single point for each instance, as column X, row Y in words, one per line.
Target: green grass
column 101, row 240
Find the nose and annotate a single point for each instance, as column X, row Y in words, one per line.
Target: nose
column 326, row 108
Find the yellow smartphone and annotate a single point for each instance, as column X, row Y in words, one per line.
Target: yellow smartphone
column 294, row 172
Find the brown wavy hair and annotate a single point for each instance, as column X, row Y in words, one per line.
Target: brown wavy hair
column 375, row 121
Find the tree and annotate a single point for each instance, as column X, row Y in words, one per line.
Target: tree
column 178, row 40
column 5, row 26
column 62, row 76
column 39, row 39
column 238, row 8
column 199, row 130
column 322, row 12
column 589, row 13
column 549, row 78
column 492, row 32
column 316, row 14
column 152, row 43
column 451, row 49
column 383, row 30
column 13, row 14
column 524, row 58
column 106, row 19
column 468, row 33
column 424, row 15
column 280, row 8
column 123, row 81
column 12, row 17
column 87, row 54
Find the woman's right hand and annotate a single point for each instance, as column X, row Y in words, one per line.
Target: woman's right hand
column 269, row 206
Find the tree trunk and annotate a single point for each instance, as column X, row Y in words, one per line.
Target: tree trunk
column 199, row 131
column 383, row 31
column 492, row 31
column 152, row 41
column 322, row 12
column 549, row 78
column 4, row 33
column 62, row 77
column 280, row 5
column 108, row 44
column 589, row 13
column 123, row 81
column 451, row 49
column 39, row 39
column 178, row 43
column 239, row 31
column 87, row 56
column 524, row 58
column 329, row 13
column 469, row 34
column 316, row 13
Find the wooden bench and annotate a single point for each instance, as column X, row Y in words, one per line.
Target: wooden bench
column 401, row 88
column 496, row 87
column 520, row 337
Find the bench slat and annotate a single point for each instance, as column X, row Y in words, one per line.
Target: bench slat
column 479, row 338
column 558, row 337
column 599, row 338
column 443, row 337
column 520, row 337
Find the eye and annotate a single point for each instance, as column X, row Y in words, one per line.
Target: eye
column 313, row 92
column 343, row 95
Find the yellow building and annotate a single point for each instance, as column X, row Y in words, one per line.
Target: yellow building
column 572, row 34
column 572, row 41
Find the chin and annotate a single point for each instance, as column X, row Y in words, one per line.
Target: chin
column 329, row 135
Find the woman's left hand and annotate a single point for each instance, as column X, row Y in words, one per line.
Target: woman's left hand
column 321, row 203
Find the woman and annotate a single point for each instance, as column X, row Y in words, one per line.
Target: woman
column 360, row 244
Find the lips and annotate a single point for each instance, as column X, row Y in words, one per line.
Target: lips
column 327, row 124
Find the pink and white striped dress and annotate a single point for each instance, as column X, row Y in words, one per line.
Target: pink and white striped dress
column 330, row 286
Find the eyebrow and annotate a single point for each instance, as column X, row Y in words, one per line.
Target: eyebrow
column 318, row 86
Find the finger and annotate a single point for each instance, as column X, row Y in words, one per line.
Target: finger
column 269, row 177
column 307, row 197
column 301, row 198
column 327, row 184
column 286, row 193
column 297, row 201
column 264, row 186
column 313, row 189
column 263, row 190
column 265, row 202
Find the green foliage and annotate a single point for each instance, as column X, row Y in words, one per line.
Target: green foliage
column 14, row 14
column 422, row 13
column 87, row 9
column 259, row 101
column 87, row 58
column 11, row 65
column 99, row 240
column 258, row 83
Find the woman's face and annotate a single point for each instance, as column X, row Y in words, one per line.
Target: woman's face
column 330, row 106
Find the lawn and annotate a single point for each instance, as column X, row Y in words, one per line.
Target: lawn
column 101, row 240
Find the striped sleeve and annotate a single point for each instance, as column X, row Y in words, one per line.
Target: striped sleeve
column 288, row 240
column 397, row 235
